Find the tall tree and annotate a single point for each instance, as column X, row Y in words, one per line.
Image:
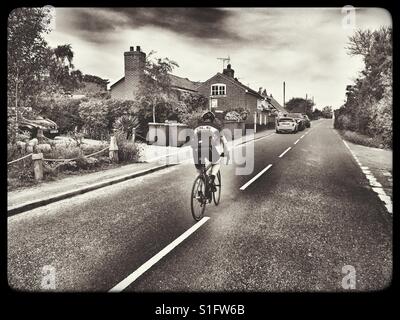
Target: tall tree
column 27, row 57
column 374, row 83
column 300, row 105
column 156, row 83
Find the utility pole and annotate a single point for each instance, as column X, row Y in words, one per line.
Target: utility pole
column 284, row 87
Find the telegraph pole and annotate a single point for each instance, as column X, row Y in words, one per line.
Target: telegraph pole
column 284, row 87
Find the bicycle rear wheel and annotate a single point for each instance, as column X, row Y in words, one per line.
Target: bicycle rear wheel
column 218, row 185
column 198, row 198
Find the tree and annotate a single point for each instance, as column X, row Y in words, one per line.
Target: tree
column 368, row 105
column 327, row 112
column 300, row 105
column 27, row 57
column 63, row 76
column 156, row 84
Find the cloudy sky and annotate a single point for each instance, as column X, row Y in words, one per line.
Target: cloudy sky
column 305, row 47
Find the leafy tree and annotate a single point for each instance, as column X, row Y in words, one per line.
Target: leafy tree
column 316, row 114
column 327, row 112
column 300, row 105
column 27, row 57
column 368, row 105
column 155, row 86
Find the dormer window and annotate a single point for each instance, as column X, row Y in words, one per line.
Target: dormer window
column 218, row 89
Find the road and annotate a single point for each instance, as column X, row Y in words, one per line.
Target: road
column 292, row 229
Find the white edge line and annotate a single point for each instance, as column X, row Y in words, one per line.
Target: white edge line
column 148, row 264
column 283, row 153
column 255, row 177
column 373, row 182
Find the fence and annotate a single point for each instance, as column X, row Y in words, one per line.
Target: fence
column 38, row 158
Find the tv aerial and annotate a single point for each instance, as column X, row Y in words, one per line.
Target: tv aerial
column 224, row 60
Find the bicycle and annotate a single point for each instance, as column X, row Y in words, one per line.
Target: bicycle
column 202, row 193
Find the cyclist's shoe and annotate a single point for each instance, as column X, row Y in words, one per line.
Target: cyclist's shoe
column 212, row 183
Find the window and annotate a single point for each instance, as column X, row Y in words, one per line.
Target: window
column 218, row 89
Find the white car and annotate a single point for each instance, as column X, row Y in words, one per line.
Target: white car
column 286, row 124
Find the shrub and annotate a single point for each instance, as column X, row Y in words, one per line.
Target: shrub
column 357, row 138
column 127, row 149
column 65, row 112
column 192, row 120
column 95, row 113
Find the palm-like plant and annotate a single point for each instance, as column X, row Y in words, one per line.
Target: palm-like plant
column 127, row 124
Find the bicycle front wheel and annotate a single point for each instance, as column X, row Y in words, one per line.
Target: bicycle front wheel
column 198, row 198
column 218, row 185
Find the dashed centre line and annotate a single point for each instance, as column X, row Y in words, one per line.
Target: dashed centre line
column 255, row 177
column 283, row 153
column 147, row 265
column 296, row 141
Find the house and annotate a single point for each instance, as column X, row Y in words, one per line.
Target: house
column 224, row 91
column 128, row 86
column 270, row 104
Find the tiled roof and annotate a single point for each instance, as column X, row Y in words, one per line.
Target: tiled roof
column 177, row 82
column 275, row 104
column 183, row 83
column 249, row 90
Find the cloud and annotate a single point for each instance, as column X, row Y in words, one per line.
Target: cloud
column 101, row 24
column 303, row 46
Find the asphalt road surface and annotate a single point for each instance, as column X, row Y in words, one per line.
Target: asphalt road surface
column 292, row 229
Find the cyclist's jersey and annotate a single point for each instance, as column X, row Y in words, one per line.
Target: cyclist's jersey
column 209, row 137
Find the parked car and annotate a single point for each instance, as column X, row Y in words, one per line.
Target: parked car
column 49, row 127
column 301, row 122
column 286, row 124
column 307, row 121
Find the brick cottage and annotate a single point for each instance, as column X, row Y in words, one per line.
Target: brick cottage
column 223, row 90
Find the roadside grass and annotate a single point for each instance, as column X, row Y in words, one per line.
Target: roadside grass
column 361, row 139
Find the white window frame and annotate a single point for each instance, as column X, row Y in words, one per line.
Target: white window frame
column 220, row 86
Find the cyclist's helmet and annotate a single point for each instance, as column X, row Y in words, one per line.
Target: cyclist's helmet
column 208, row 116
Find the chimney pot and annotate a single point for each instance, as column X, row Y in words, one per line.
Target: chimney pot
column 138, row 48
column 131, row 49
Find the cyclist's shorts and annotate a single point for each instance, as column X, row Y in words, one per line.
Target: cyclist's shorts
column 200, row 155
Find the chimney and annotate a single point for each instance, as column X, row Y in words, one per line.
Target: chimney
column 229, row 71
column 134, row 70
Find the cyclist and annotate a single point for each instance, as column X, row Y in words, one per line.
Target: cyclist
column 210, row 145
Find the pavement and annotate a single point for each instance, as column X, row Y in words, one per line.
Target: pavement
column 306, row 215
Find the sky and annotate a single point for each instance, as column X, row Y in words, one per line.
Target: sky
column 305, row 47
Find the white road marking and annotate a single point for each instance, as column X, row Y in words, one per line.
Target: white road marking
column 255, row 177
column 296, row 141
column 376, row 186
column 147, row 265
column 302, row 136
column 283, row 153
